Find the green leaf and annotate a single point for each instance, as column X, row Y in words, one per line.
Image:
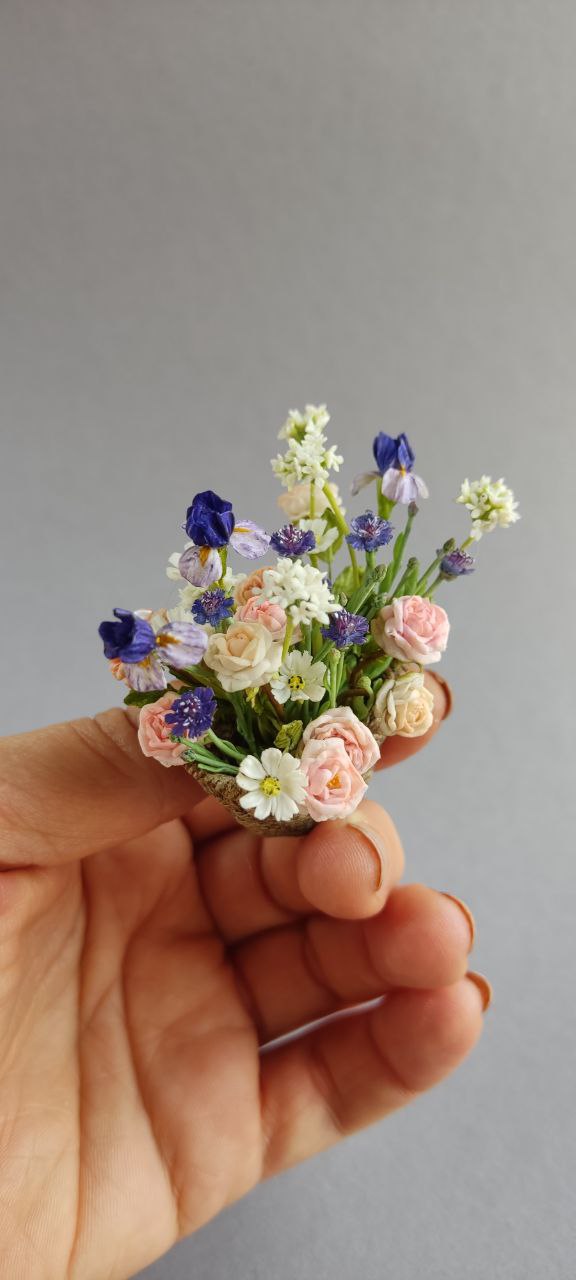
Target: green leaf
column 345, row 581
column 289, row 735
column 138, row 699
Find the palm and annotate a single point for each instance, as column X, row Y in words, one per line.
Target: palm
column 138, row 985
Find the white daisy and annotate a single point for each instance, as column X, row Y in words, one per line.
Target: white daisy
column 324, row 533
column 275, row 785
column 300, row 589
column 299, row 678
column 490, row 503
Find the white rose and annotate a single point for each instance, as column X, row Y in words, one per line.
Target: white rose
column 403, row 706
column 243, row 657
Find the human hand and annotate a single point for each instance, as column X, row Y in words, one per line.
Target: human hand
column 149, row 948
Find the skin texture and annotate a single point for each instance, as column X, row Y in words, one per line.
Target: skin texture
column 150, row 953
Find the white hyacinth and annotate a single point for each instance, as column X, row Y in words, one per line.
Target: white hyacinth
column 490, row 503
column 307, row 456
column 275, row 785
column 300, row 589
column 299, row 678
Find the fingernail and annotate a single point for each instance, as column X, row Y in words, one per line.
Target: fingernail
column 447, row 694
column 465, row 912
column 374, row 838
column 484, row 987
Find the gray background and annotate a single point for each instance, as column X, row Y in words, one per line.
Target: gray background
column 211, row 211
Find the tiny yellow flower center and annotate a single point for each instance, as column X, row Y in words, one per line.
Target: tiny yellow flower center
column 295, row 682
column 334, row 782
column 270, row 786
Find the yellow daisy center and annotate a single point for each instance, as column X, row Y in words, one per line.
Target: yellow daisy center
column 271, row 786
column 295, row 682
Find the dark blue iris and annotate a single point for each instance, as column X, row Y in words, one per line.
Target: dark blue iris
column 346, row 628
column 213, row 606
column 191, row 715
column 131, row 639
column 368, row 532
column 291, row 541
column 209, row 520
column 393, row 451
column 456, row 563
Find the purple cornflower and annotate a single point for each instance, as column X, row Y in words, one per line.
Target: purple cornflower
column 346, row 628
column 191, row 715
column 291, row 541
column 369, row 532
column 213, row 606
column 456, row 563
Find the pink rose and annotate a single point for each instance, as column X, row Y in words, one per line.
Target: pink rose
column 341, row 723
column 412, row 629
column 154, row 733
column 249, row 585
column 271, row 616
column 334, row 787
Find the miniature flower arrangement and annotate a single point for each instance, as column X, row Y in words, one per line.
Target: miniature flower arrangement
column 276, row 688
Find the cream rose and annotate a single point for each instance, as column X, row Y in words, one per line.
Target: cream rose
column 412, row 629
column 296, row 502
column 243, row 657
column 403, row 706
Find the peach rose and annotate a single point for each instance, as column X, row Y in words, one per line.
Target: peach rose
column 412, row 629
column 154, row 733
column 249, row 585
column 404, row 706
column 244, row 656
column 334, row 787
column 271, row 616
column 341, row 723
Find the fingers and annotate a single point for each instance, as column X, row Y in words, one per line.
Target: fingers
column 396, row 749
column 306, row 971
column 342, row 869
column 72, row 789
column 355, row 1071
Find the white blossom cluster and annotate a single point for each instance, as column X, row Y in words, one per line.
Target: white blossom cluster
column 490, row 503
column 300, row 589
column 308, row 456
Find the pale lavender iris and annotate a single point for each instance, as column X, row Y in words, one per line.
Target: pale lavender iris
column 249, row 540
column 181, row 644
column 200, row 565
column 403, row 486
column 147, row 675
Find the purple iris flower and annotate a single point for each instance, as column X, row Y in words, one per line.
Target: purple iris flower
column 209, row 520
column 291, row 541
column 210, row 523
column 130, row 639
column 213, row 606
column 191, row 715
column 369, row 532
column 346, row 628
column 456, row 563
column 393, row 451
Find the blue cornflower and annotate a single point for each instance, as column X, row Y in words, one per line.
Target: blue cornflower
column 131, row 639
column 291, row 541
column 369, row 532
column 213, row 606
column 456, row 563
column 346, row 628
column 191, row 715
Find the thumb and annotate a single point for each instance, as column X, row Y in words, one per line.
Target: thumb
column 73, row 789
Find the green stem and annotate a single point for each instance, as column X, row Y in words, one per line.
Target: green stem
column 333, row 677
column 344, row 530
column 467, row 543
column 312, row 499
column 226, row 748
column 384, row 505
column 370, row 560
column 287, row 637
column 448, row 546
column 436, row 583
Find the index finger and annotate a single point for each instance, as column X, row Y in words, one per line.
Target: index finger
column 74, row 789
